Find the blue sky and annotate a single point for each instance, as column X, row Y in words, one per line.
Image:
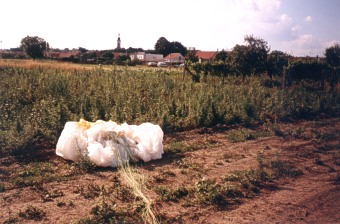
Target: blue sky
column 298, row 27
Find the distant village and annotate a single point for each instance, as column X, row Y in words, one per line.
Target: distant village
column 132, row 56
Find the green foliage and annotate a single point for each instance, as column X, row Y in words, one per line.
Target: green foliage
column 191, row 56
column 307, row 70
column 164, row 47
column 36, row 103
column 333, row 55
column 276, row 61
column 251, row 58
column 167, row 194
column 34, row 46
column 222, row 56
column 37, row 174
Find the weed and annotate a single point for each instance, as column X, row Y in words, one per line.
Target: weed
column 61, row 203
column 242, row 135
column 37, row 174
column 49, row 196
column 90, row 191
column 104, row 213
column 2, row 188
column 208, row 192
column 250, row 180
column 163, row 175
column 32, row 213
column 11, row 220
column 283, row 169
column 178, row 147
column 84, row 166
column 167, row 194
column 188, row 164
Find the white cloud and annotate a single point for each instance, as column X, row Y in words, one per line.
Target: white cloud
column 328, row 44
column 305, row 45
column 296, row 28
column 308, row 19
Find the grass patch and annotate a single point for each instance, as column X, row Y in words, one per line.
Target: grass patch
column 90, row 191
column 37, row 174
column 167, row 194
column 242, row 135
column 179, row 147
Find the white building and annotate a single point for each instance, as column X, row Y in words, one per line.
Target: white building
column 145, row 57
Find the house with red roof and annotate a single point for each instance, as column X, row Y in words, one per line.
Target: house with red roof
column 174, row 58
column 206, row 56
column 69, row 55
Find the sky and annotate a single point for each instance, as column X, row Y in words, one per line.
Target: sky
column 297, row 27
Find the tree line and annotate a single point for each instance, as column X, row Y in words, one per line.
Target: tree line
column 252, row 58
column 255, row 58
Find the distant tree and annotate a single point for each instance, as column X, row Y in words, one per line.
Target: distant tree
column 17, row 49
column 250, row 58
column 163, row 46
column 131, row 50
column 107, row 55
column 276, row 61
column 177, row 47
column 222, row 56
column 240, row 59
column 191, row 56
column 120, row 50
column 258, row 50
column 34, row 46
column 82, row 50
column 333, row 55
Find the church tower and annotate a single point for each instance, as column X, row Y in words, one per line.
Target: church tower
column 118, row 42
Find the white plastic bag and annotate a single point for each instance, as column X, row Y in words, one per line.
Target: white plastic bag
column 109, row 144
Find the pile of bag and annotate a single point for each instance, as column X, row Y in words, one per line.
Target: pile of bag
column 110, row 144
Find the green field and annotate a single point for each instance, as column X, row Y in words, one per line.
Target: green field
column 37, row 98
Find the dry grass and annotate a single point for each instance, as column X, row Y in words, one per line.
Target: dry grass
column 136, row 181
column 33, row 64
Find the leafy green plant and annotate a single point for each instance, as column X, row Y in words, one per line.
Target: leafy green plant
column 32, row 213
column 84, row 166
column 208, row 192
column 90, row 191
column 167, row 194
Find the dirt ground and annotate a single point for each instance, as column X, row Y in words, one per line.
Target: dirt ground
column 312, row 146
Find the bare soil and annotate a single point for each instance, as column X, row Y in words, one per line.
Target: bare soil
column 311, row 146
